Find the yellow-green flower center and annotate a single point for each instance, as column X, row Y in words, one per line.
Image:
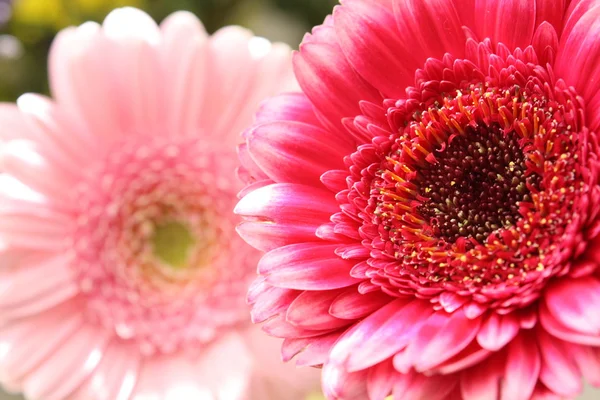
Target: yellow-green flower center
column 173, row 243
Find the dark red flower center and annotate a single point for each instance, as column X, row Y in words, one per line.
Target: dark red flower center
column 475, row 186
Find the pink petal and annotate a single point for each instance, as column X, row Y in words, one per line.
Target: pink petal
column 497, row 331
column 24, row 286
column 29, row 341
column 370, row 39
column 587, row 359
column 318, row 350
column 522, row 368
column 268, row 300
column 310, row 310
column 296, row 152
column 545, row 42
column 511, row 22
column 61, row 373
column 287, row 107
column 185, row 55
column 419, row 386
column 22, row 159
column 429, row 29
column 556, row 328
column 558, row 371
column 574, row 303
column 115, row 376
column 443, row 336
column 281, row 214
column 380, row 335
column 306, row 266
column 578, row 59
column 340, row 384
column 472, row 355
column 328, row 80
column 381, row 380
column 482, row 382
column 351, row 304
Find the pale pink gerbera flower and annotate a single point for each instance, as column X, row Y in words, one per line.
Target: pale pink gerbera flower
column 430, row 204
column 122, row 276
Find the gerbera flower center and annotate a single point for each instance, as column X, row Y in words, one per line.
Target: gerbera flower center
column 153, row 246
column 475, row 186
column 172, row 243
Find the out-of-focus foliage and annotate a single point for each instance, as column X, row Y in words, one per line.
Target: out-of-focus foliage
column 27, row 27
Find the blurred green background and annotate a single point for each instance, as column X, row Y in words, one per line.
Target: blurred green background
column 27, row 27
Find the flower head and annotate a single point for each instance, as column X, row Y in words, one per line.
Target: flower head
column 429, row 203
column 122, row 274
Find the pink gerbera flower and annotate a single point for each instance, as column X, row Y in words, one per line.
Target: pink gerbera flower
column 122, row 276
column 430, row 205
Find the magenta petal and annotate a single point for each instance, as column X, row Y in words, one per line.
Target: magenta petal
column 558, row 371
column 281, row 214
column 511, row 22
column 268, row 300
column 575, row 303
column 482, row 382
column 351, row 304
column 310, row 310
column 522, row 368
column 380, row 335
column 318, row 350
column 296, row 152
column 418, row 386
column 340, row 384
column 578, row 59
column 287, row 107
column 497, row 331
column 328, row 80
column 381, row 380
column 370, row 39
column 587, row 359
column 429, row 29
column 306, row 266
column 556, row 328
column 443, row 336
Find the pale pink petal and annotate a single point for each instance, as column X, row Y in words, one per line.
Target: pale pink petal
column 418, row 386
column 587, row 359
column 27, row 342
column 22, row 159
column 381, row 380
column 61, row 373
column 185, row 52
column 115, row 376
column 306, row 266
column 268, row 300
column 24, row 289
